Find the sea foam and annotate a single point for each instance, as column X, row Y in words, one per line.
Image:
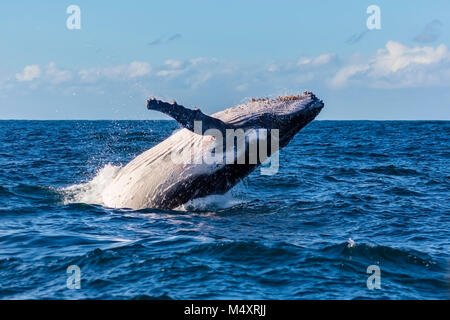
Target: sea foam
column 91, row 192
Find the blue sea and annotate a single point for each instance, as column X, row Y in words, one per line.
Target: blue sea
column 348, row 195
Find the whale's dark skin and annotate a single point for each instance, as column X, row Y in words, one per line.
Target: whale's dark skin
column 135, row 187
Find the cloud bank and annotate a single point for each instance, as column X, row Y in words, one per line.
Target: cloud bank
column 394, row 66
column 29, row 73
column 398, row 66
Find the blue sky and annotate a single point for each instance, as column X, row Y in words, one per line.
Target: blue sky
column 215, row 54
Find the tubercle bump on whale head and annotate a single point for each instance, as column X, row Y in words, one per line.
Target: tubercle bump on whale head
column 305, row 94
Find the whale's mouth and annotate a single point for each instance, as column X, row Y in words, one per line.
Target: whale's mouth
column 315, row 107
column 302, row 109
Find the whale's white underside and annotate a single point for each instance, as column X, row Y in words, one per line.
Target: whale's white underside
column 147, row 178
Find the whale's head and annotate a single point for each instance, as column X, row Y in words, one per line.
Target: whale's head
column 288, row 114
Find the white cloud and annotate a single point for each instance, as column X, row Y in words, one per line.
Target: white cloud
column 174, row 68
column 398, row 65
column 169, row 73
column 138, row 69
column 301, row 70
column 29, row 73
column 202, row 61
column 199, row 79
column 56, row 75
column 188, row 74
column 346, row 73
column 317, row 61
column 273, row 68
column 174, row 64
column 90, row 75
column 397, row 56
column 135, row 69
column 242, row 87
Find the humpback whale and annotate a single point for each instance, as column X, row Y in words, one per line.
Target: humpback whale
column 162, row 178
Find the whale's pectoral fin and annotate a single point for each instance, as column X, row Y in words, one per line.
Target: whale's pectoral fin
column 186, row 117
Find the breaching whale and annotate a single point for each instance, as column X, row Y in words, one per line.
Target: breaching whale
column 174, row 171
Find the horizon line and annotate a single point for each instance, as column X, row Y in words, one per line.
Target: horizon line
column 23, row 119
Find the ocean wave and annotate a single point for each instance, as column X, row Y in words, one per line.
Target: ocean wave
column 28, row 192
column 404, row 192
column 27, row 189
column 391, row 170
column 381, row 253
column 245, row 251
column 5, row 192
column 331, row 178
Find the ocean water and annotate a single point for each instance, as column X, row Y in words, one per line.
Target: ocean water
column 348, row 195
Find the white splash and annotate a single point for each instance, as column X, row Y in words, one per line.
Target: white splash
column 350, row 243
column 91, row 192
column 211, row 202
